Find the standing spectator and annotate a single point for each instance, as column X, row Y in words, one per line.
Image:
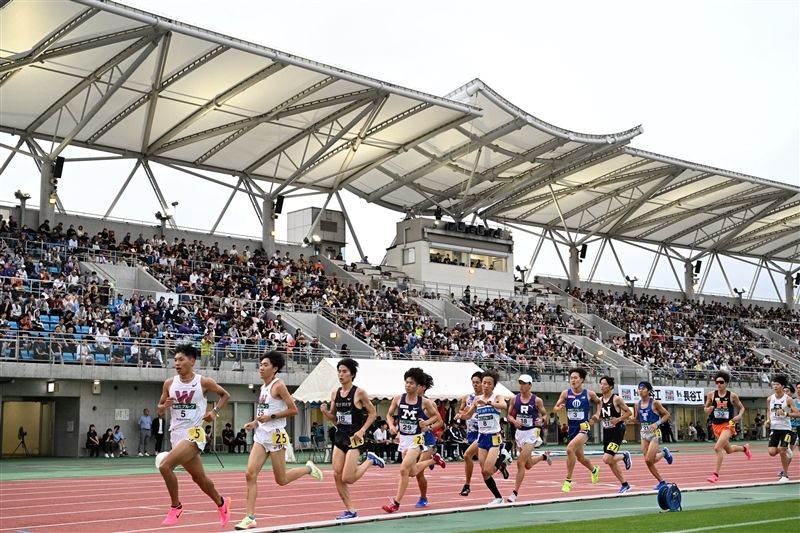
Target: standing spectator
column 119, row 441
column 206, row 349
column 381, row 438
column 759, row 426
column 228, row 437
column 145, row 423
column 159, row 429
column 209, row 440
column 92, row 442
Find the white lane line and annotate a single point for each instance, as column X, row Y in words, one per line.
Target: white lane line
column 740, row 524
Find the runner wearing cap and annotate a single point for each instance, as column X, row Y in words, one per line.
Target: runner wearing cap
column 526, row 413
column 651, row 414
column 719, row 404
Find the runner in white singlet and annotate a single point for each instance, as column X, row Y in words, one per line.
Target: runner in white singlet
column 780, row 410
column 185, row 396
column 274, row 406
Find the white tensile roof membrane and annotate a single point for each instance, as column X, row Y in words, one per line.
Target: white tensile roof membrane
column 109, row 77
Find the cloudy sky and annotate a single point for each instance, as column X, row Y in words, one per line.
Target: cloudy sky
column 716, row 83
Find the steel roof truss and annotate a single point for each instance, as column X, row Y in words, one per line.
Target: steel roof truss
column 227, row 204
column 122, row 189
column 751, row 202
column 733, row 200
column 88, row 81
column 13, row 64
column 156, row 189
column 109, row 92
column 333, row 140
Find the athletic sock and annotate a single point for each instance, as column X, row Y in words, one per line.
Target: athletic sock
column 515, row 493
column 177, row 506
column 568, row 480
column 223, row 501
column 251, row 517
column 626, row 483
column 492, row 487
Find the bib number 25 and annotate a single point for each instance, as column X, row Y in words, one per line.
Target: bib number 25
column 280, row 438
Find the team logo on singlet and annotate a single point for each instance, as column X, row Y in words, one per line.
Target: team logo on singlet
column 183, row 400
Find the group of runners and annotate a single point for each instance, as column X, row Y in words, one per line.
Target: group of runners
column 413, row 417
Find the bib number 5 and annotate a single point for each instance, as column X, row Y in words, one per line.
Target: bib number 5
column 197, row 435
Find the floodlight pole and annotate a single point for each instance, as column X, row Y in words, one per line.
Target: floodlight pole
column 47, row 211
column 790, row 303
column 574, row 267
column 688, row 279
column 268, row 226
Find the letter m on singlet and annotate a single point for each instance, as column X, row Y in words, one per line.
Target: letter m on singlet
column 184, row 396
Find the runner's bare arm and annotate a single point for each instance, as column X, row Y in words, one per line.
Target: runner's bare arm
column 623, row 409
column 165, row 402
column 540, row 407
column 283, row 394
column 434, row 420
column 391, row 412
column 512, row 412
column 363, row 399
column 562, row 400
column 329, row 412
column 499, row 402
column 709, row 406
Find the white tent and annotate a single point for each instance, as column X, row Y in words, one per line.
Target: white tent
column 384, row 379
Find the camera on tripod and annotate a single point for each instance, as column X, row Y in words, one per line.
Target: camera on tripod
column 21, row 436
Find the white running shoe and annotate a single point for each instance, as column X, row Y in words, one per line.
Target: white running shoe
column 512, row 498
column 146, row 454
column 140, row 454
column 784, row 479
column 499, row 501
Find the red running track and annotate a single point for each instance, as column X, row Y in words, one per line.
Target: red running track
column 138, row 503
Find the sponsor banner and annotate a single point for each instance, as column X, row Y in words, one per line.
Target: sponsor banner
column 666, row 394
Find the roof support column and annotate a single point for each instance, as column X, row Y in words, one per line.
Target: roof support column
column 688, row 280
column 268, row 227
column 790, row 302
column 574, row 267
column 47, row 211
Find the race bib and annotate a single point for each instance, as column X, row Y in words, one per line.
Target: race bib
column 525, row 420
column 356, row 442
column 721, row 413
column 731, row 423
column 280, row 438
column 485, row 421
column 658, row 434
column 575, row 415
column 419, row 440
column 184, row 410
column 197, row 435
column 788, row 438
column 607, row 424
column 613, row 447
column 262, row 409
column 344, row 418
column 497, row 440
column 585, row 426
column 407, row 427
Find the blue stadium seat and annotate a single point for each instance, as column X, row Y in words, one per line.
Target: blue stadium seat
column 13, row 325
column 27, row 354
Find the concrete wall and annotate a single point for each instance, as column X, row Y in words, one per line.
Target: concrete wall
column 126, row 279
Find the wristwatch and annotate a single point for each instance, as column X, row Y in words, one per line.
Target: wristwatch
column 272, row 416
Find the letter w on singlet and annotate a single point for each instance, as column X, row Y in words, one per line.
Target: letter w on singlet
column 184, row 397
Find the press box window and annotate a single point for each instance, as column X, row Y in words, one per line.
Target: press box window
column 409, row 256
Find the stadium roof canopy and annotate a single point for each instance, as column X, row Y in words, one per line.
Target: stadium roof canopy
column 113, row 78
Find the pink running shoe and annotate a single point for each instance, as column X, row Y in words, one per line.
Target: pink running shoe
column 224, row 511
column 747, row 452
column 713, row 478
column 172, row 517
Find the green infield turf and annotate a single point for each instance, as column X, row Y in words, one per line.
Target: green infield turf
column 752, row 518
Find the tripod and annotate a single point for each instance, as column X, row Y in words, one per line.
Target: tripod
column 21, row 437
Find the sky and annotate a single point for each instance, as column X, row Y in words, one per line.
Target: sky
column 711, row 82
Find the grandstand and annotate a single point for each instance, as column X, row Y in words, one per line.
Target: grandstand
column 93, row 308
